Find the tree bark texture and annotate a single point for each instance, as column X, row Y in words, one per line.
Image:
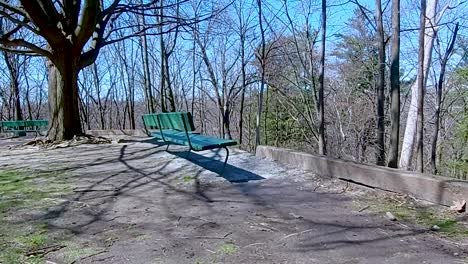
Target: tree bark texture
column 421, row 85
column 380, row 95
column 321, row 100
column 64, row 118
column 395, row 86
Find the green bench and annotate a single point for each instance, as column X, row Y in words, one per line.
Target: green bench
column 20, row 128
column 178, row 128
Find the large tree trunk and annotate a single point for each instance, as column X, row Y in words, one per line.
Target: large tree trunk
column 395, row 85
column 409, row 139
column 64, row 121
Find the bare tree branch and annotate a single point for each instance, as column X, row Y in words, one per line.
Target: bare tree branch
column 25, row 44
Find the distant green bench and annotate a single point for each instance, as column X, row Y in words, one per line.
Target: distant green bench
column 178, row 128
column 20, row 128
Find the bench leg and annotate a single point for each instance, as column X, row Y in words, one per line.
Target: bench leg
column 225, row 160
column 188, row 154
column 167, row 148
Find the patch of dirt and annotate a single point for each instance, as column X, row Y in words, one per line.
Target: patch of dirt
column 136, row 203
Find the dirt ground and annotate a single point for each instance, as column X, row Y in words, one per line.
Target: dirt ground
column 133, row 202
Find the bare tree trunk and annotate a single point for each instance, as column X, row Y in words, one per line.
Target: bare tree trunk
column 202, row 106
column 39, row 102
column 421, row 74
column 243, row 80
column 277, row 124
column 86, row 112
column 170, row 94
column 129, row 87
column 440, row 85
column 162, row 89
column 249, row 120
column 262, row 77
column 27, row 96
column 162, row 47
column 227, row 121
column 395, row 85
column 194, row 76
column 97, row 84
column 409, row 138
column 146, row 68
column 242, row 99
column 380, row 98
column 12, row 65
column 265, row 120
column 132, row 102
column 321, row 101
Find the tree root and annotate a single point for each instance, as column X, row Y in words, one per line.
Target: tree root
column 77, row 140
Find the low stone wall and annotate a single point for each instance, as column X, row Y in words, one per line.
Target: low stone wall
column 118, row 132
column 436, row 189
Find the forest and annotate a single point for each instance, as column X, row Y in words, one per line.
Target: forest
column 378, row 82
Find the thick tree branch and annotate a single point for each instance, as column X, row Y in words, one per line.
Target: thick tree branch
column 9, row 34
column 71, row 8
column 88, row 21
column 20, row 51
column 21, row 23
column 45, row 18
column 13, row 8
column 7, row 44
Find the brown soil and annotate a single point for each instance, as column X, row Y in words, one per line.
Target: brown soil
column 133, row 202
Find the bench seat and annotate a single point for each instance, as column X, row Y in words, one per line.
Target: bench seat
column 198, row 142
column 178, row 128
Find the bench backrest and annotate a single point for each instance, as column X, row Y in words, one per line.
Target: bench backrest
column 150, row 121
column 24, row 125
column 182, row 121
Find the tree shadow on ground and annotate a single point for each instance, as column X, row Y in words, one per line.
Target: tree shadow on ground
column 215, row 162
column 318, row 226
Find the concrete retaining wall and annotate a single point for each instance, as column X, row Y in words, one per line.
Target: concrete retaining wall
column 436, row 189
column 117, row 132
